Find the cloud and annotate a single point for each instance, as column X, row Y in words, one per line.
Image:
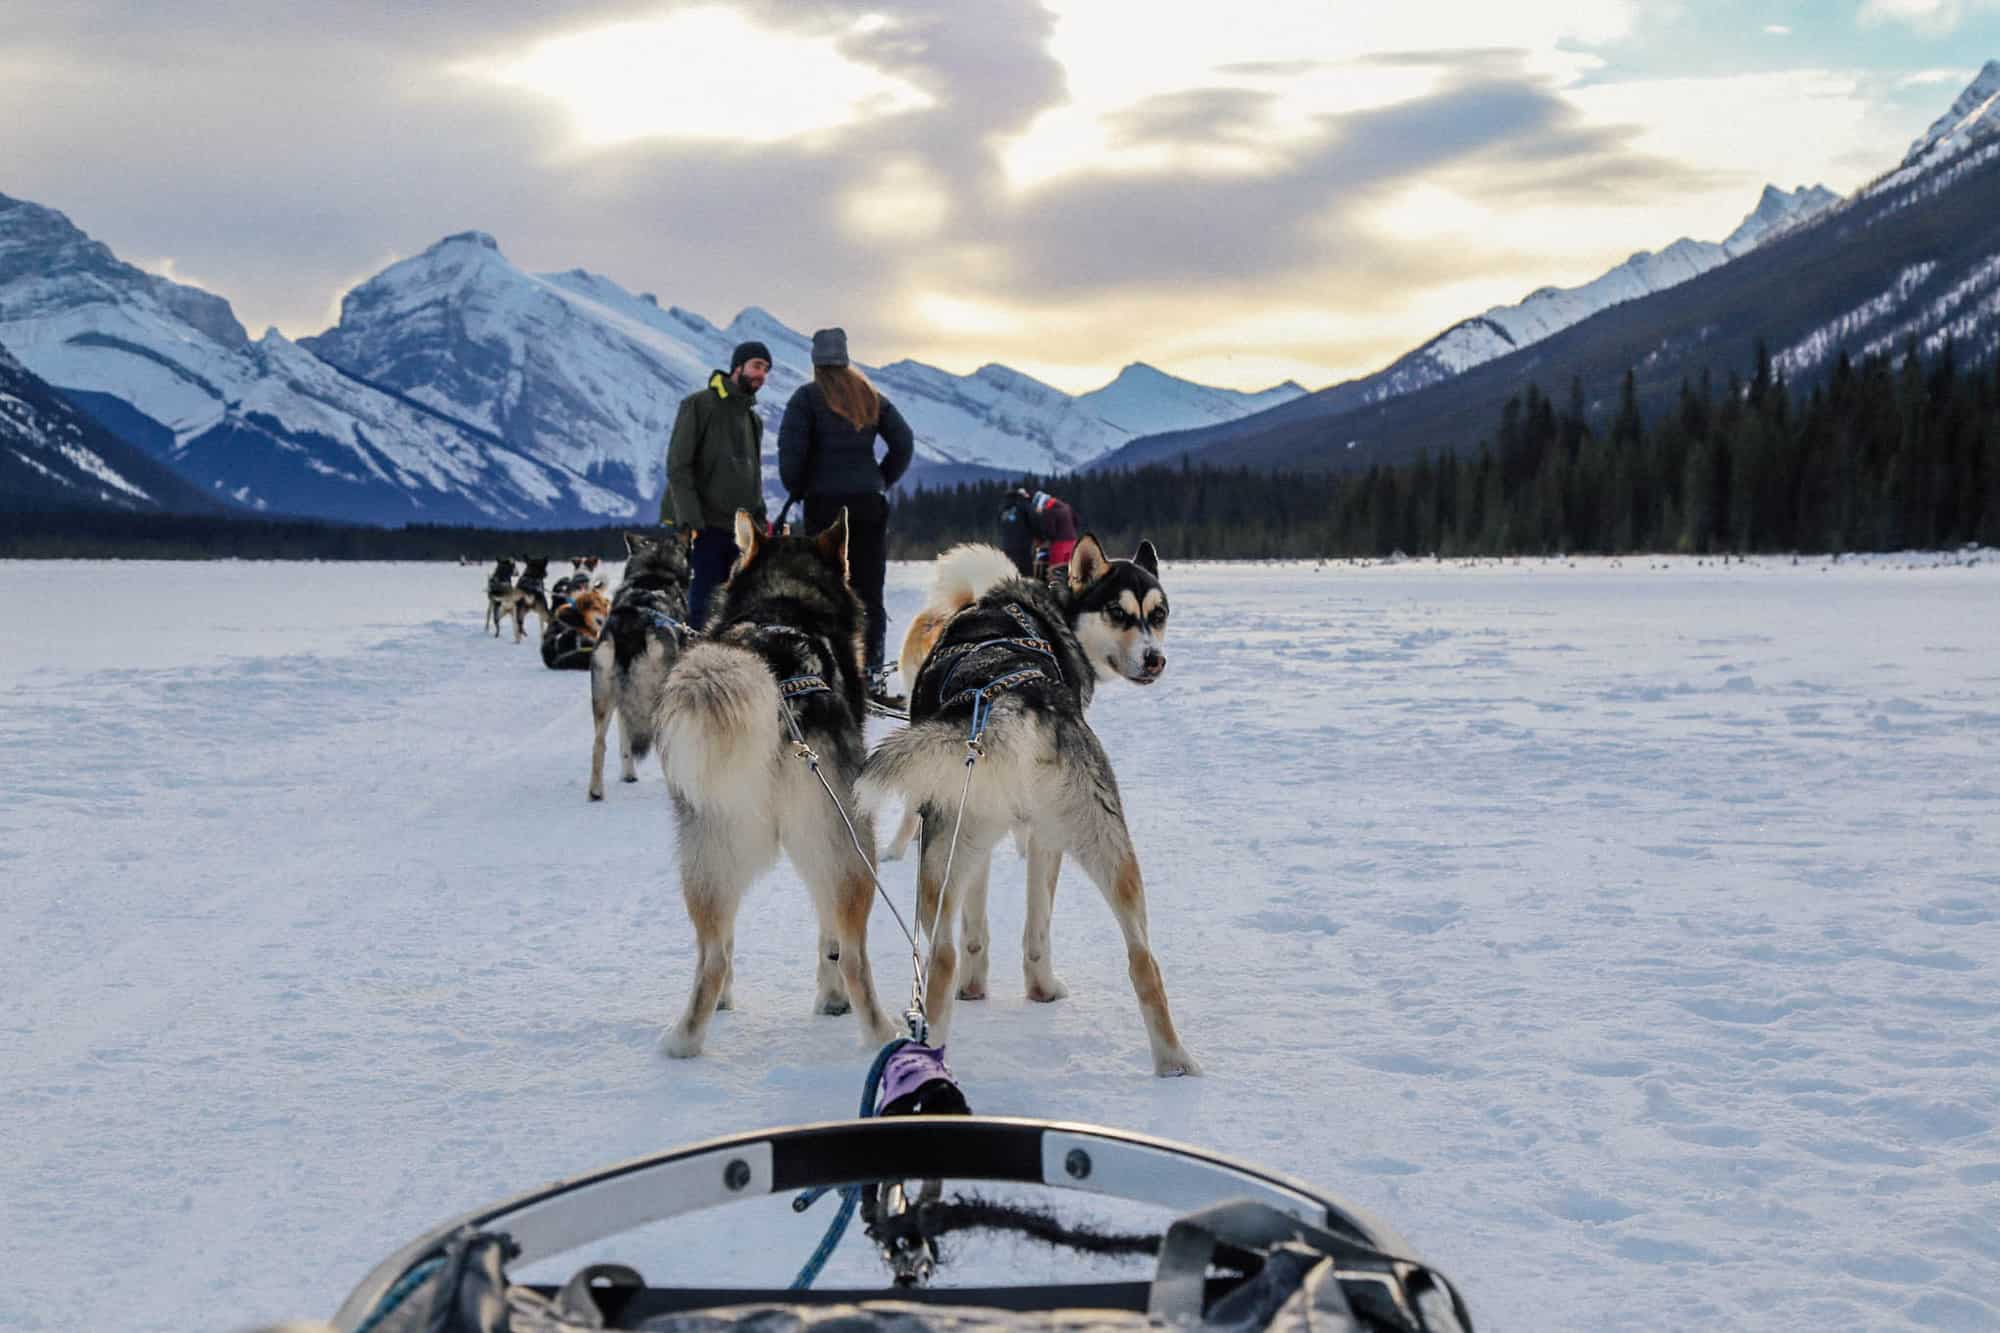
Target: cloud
column 1931, row 78
column 1777, row 30
column 1930, row 17
column 1196, row 116
column 684, row 75
column 274, row 153
column 1063, row 189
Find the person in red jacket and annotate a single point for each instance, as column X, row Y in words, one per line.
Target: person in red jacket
column 1055, row 524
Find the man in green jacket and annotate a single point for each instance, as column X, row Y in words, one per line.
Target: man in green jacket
column 715, row 467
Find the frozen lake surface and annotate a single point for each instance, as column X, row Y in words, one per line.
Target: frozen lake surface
column 1627, row 934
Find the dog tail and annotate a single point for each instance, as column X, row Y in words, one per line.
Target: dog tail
column 961, row 577
column 718, row 726
column 966, row 573
column 924, row 763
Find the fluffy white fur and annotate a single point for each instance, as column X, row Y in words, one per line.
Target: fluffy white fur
column 718, row 727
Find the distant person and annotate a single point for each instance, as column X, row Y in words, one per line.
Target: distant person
column 1055, row 525
column 1017, row 530
column 714, row 468
column 826, row 454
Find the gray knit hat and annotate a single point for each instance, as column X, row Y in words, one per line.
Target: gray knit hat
column 829, row 347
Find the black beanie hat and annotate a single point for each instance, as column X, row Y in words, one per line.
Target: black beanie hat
column 747, row 352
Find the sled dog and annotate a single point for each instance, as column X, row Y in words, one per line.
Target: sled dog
column 642, row 638
column 531, row 595
column 499, row 594
column 783, row 647
column 1018, row 660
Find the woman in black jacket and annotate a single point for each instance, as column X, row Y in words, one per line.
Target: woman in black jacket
column 826, row 453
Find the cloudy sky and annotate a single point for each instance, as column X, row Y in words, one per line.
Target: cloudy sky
column 1238, row 193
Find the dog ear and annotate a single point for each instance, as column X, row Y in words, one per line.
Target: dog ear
column 1087, row 563
column 636, row 542
column 746, row 537
column 832, row 544
column 1147, row 558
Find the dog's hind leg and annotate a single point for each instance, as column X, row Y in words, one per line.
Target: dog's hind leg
column 843, row 888
column 627, row 771
column 1095, row 825
column 712, row 909
column 934, row 904
column 600, row 717
column 727, row 999
column 720, row 854
column 830, row 994
column 938, row 901
column 1037, row 960
column 978, row 936
column 905, row 831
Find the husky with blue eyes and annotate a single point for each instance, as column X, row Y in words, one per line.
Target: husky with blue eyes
column 1011, row 664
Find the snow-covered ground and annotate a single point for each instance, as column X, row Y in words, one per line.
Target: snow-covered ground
column 1625, row 933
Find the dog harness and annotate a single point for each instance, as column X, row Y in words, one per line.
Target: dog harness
column 796, row 687
column 1029, row 640
column 793, row 687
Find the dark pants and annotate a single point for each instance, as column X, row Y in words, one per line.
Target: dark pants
column 867, row 553
column 714, row 552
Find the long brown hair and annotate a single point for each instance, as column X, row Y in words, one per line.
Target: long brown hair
column 848, row 392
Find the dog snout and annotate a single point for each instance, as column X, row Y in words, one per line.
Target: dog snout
column 1153, row 663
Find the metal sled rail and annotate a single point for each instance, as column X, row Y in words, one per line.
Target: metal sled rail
column 588, row 1208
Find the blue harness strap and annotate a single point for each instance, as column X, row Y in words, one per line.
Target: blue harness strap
column 661, row 620
column 982, row 696
column 850, row 1194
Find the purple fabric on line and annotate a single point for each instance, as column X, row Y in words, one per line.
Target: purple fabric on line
column 912, row 1067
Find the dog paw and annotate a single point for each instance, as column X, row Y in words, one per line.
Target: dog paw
column 631, row 778
column 973, row 990
column 832, row 1005
column 680, row 1045
column 597, row 793
column 1047, row 990
column 1176, row 1064
column 725, row 1001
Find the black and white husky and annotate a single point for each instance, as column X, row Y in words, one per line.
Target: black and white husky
column 642, row 638
column 499, row 594
column 1016, row 661
column 523, row 596
column 783, row 644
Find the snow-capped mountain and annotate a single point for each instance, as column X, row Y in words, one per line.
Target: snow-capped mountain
column 460, row 388
column 1504, row 329
column 53, row 455
column 573, row 367
column 1914, row 258
column 1143, row 400
column 1962, row 137
column 265, row 424
column 1973, row 117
